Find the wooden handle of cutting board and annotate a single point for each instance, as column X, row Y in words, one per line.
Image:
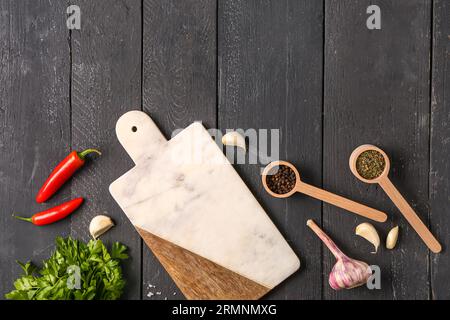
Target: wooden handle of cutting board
column 410, row 215
column 341, row 202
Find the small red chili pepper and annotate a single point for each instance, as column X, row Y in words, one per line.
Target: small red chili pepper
column 65, row 169
column 54, row 214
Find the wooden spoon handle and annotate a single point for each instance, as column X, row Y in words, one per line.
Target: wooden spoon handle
column 342, row 202
column 410, row 215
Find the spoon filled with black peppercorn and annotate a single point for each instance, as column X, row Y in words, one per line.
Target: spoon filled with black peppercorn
column 281, row 180
column 370, row 164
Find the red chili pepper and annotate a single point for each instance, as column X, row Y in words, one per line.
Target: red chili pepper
column 65, row 169
column 54, row 214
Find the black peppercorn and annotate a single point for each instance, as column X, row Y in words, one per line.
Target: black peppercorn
column 281, row 179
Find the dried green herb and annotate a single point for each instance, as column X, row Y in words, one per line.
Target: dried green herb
column 281, row 179
column 370, row 164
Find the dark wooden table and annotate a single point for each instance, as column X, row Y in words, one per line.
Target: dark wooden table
column 310, row 68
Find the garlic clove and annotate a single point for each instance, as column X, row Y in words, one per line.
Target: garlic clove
column 368, row 232
column 234, row 139
column 99, row 225
column 392, row 237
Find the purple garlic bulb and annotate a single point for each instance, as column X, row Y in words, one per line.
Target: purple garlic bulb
column 347, row 273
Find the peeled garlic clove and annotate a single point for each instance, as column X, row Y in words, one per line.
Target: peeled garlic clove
column 368, row 232
column 99, row 225
column 392, row 237
column 234, row 139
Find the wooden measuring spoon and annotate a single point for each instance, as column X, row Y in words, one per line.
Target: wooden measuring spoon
column 396, row 197
column 320, row 194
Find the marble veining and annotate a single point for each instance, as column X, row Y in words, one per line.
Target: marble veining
column 186, row 192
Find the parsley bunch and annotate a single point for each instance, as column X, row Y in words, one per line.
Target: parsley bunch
column 75, row 271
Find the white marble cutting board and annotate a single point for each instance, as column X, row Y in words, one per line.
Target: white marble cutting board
column 186, row 192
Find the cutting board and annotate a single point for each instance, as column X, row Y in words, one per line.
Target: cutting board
column 197, row 215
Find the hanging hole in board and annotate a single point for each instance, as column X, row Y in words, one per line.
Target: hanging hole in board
column 134, row 129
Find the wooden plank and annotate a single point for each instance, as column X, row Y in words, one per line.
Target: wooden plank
column 377, row 91
column 106, row 82
column 34, row 125
column 270, row 77
column 440, row 151
column 179, row 87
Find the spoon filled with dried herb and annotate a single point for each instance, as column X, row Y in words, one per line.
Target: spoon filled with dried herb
column 281, row 180
column 370, row 164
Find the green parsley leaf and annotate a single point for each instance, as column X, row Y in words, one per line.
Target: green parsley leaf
column 118, row 251
column 75, row 271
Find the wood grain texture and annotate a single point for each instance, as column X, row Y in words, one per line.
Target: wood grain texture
column 106, row 82
column 440, row 147
column 179, row 87
column 411, row 216
column 377, row 92
column 270, row 77
column 270, row 62
column 199, row 278
column 34, row 126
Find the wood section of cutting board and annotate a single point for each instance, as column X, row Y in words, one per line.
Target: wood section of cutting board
column 199, row 278
column 197, row 215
